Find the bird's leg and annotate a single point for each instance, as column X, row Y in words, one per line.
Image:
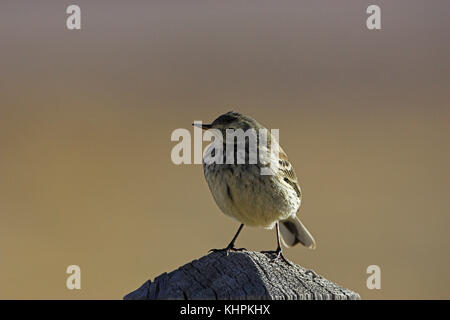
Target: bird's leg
column 230, row 246
column 278, row 251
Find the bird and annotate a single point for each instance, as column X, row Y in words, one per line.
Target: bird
column 243, row 193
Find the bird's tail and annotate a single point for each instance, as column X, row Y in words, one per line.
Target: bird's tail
column 293, row 232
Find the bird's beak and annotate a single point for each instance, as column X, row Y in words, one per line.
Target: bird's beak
column 202, row 125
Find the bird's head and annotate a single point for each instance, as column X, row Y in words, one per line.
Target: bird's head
column 234, row 121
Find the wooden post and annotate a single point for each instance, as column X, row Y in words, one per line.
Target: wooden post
column 241, row 275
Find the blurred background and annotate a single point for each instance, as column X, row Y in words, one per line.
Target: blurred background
column 86, row 118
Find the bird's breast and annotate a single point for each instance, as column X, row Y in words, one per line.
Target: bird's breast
column 243, row 193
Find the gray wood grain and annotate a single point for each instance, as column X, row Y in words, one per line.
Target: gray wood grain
column 241, row 275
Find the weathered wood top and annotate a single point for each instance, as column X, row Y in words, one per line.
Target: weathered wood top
column 241, row 275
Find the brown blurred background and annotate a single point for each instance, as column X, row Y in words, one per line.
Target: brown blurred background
column 86, row 118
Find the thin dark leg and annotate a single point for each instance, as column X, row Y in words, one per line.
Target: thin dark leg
column 278, row 238
column 278, row 251
column 230, row 246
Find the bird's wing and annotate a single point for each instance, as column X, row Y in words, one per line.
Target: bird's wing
column 287, row 172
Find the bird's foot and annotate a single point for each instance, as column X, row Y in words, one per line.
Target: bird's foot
column 228, row 249
column 278, row 256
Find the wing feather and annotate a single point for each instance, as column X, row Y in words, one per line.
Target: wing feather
column 287, row 173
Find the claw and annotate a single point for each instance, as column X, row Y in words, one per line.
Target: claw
column 228, row 249
column 279, row 255
column 278, row 251
column 270, row 252
column 230, row 246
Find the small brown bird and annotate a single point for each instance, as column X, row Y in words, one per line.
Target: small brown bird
column 253, row 199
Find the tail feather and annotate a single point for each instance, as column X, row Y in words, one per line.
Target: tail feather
column 293, row 232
